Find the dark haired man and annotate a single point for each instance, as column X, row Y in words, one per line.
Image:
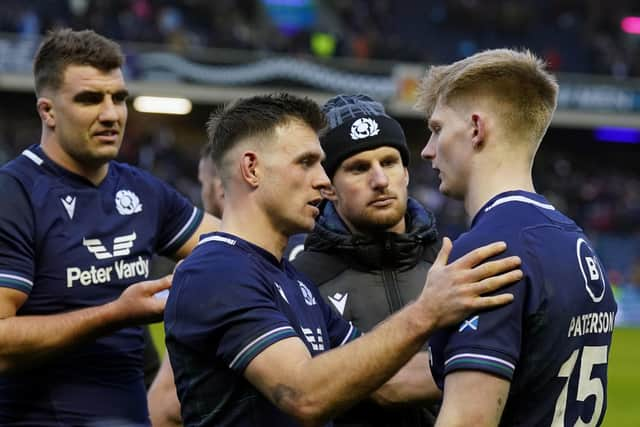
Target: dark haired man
column 76, row 233
column 251, row 340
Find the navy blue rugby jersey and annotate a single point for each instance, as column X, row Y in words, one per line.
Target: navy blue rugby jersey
column 229, row 301
column 69, row 245
column 552, row 342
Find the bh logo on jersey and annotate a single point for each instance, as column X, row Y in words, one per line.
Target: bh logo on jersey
column 364, row 128
column 306, row 294
column 127, row 202
column 594, row 280
column 314, row 339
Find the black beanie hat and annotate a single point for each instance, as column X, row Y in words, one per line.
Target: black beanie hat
column 357, row 123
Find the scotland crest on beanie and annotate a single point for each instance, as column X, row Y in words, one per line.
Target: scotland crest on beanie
column 357, row 123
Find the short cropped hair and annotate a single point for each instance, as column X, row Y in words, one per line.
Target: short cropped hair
column 63, row 47
column 205, row 154
column 517, row 80
column 258, row 116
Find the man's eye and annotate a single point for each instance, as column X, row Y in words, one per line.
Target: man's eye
column 360, row 168
column 89, row 98
column 120, row 97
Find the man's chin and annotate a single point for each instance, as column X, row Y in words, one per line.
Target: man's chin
column 449, row 193
column 301, row 227
column 103, row 153
column 380, row 221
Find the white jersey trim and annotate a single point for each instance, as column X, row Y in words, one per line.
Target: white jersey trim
column 480, row 356
column 522, row 199
column 182, row 230
column 349, row 333
column 33, row 157
column 222, row 239
column 18, row 278
column 250, row 346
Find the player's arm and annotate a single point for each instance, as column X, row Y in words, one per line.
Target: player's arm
column 209, row 224
column 473, row 395
column 313, row 390
column 413, row 383
column 164, row 406
column 29, row 339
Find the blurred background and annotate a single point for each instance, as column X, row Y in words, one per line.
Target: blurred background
column 203, row 54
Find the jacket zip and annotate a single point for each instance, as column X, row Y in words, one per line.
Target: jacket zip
column 391, row 289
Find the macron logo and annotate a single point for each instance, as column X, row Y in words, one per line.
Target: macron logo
column 121, row 246
column 339, row 301
column 69, row 204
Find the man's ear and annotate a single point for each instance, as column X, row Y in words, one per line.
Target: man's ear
column 479, row 130
column 329, row 193
column 46, row 111
column 248, row 168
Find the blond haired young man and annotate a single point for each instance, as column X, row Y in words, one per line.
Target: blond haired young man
column 541, row 361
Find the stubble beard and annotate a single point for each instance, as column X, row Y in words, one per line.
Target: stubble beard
column 372, row 219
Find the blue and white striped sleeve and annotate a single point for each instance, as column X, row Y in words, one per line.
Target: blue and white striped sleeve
column 179, row 219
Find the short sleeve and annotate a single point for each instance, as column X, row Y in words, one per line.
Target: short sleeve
column 487, row 341
column 17, row 236
column 233, row 314
column 179, row 219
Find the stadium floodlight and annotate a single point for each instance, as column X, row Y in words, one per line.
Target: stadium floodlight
column 630, row 24
column 162, row 105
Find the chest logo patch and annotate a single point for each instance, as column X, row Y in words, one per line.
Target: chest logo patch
column 339, row 301
column 306, row 294
column 127, row 202
column 282, row 294
column 69, row 204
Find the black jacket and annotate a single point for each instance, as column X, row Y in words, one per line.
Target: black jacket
column 367, row 278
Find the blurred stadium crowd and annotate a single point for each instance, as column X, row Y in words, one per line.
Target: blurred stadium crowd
column 573, row 35
column 602, row 192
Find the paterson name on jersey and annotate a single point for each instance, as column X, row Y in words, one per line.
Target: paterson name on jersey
column 592, row 323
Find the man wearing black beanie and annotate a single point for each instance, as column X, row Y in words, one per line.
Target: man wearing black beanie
column 372, row 245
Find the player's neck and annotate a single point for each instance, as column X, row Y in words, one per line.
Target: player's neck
column 94, row 173
column 253, row 226
column 488, row 183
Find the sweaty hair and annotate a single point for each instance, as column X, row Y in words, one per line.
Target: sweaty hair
column 258, row 116
column 64, row 47
column 524, row 93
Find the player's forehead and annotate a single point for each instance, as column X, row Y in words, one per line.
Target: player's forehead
column 368, row 156
column 438, row 111
column 296, row 138
column 86, row 78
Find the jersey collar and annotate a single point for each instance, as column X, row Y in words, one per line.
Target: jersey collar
column 509, row 197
